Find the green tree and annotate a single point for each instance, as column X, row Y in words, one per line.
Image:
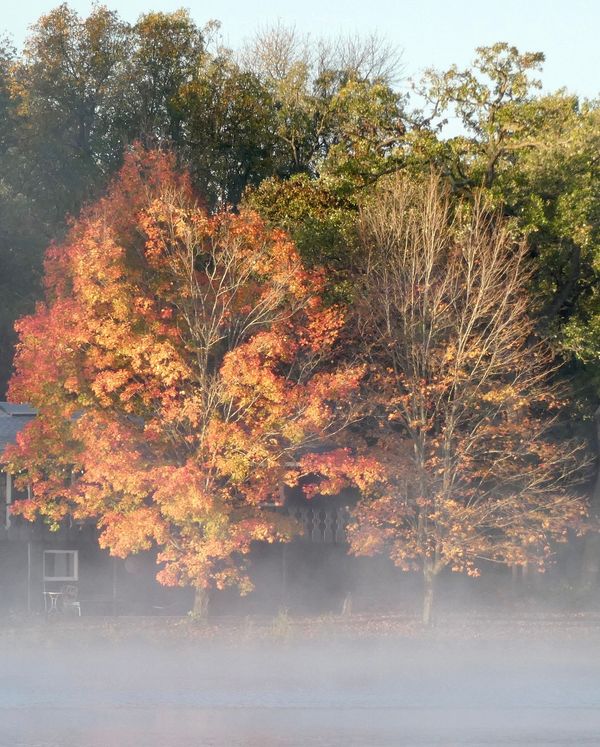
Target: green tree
column 69, row 79
column 230, row 138
column 20, row 240
column 166, row 53
column 338, row 128
column 323, row 224
column 537, row 157
column 489, row 100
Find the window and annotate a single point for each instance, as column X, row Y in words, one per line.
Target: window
column 61, row 565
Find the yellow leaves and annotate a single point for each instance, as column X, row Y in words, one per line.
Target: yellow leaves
column 108, row 382
column 449, row 353
column 502, row 394
column 182, row 495
column 323, row 328
column 368, row 542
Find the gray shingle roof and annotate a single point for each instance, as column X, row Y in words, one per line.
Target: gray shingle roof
column 13, row 419
column 11, row 408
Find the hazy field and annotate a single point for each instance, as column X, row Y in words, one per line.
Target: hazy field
column 379, row 682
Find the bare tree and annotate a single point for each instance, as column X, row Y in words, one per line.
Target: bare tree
column 275, row 50
column 366, row 56
column 476, row 467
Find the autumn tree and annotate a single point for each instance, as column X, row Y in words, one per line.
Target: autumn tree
column 192, row 361
column 464, row 418
column 86, row 86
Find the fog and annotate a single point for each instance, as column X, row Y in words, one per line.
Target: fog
column 508, row 662
column 68, row 691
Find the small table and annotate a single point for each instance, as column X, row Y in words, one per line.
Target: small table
column 51, row 600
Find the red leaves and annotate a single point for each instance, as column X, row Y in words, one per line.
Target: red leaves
column 339, row 469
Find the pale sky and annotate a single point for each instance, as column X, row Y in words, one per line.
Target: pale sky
column 429, row 32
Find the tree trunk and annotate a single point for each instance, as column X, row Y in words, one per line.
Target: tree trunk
column 200, row 609
column 347, row 605
column 429, row 575
column 590, row 567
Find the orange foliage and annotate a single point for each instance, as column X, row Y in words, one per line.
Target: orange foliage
column 179, row 363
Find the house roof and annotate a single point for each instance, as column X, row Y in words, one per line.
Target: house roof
column 13, row 418
column 12, row 408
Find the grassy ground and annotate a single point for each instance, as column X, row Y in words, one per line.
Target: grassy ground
column 38, row 631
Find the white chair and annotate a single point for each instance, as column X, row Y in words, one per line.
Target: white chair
column 70, row 599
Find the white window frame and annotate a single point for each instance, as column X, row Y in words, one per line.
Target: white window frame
column 74, row 577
